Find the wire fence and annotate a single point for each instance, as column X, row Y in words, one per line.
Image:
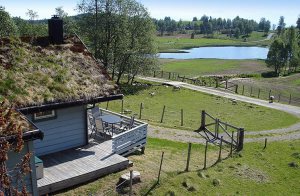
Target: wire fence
column 166, row 164
column 190, row 159
column 281, row 96
column 162, row 114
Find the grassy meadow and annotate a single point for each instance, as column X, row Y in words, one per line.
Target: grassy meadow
column 178, row 42
column 197, row 67
column 253, row 172
column 249, row 116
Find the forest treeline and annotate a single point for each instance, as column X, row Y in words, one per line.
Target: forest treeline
column 208, row 25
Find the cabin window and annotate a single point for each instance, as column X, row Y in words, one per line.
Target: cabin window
column 50, row 114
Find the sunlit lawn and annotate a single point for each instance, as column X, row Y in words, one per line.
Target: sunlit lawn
column 249, row 116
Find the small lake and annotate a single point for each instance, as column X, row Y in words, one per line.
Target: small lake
column 224, row 52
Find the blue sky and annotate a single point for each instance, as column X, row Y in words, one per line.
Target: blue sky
column 177, row 9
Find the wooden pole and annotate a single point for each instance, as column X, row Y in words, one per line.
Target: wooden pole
column 220, row 149
column 154, row 74
column 270, row 93
column 243, row 90
column 217, row 128
column 162, row 115
column 188, row 157
column 231, row 145
column 169, row 75
column 161, row 162
column 131, row 176
column 258, row 93
column 226, row 84
column 251, row 91
column 241, row 139
column 141, row 107
column 290, row 101
column 266, row 140
column 236, row 88
column 217, row 83
column 205, row 153
column 107, row 105
column 122, row 107
column 202, row 126
column 181, row 117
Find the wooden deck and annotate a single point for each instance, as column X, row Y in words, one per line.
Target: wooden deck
column 71, row 167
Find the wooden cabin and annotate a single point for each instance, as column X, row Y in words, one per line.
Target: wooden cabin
column 57, row 82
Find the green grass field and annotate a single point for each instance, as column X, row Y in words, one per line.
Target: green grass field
column 257, row 172
column 197, row 67
column 281, row 87
column 249, row 116
column 175, row 43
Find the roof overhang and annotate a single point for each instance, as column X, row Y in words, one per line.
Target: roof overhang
column 66, row 104
column 27, row 136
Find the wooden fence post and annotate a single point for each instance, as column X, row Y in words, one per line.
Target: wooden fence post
column 231, row 145
column 202, row 126
column 270, row 93
column 107, row 105
column 240, row 139
column 188, row 158
column 258, row 93
column 266, row 140
column 251, row 91
column 131, row 176
column 220, row 149
column 169, row 75
column 205, row 153
column 226, row 84
column 141, row 107
column 181, row 117
column 122, row 107
column 243, row 90
column 161, row 162
column 236, row 89
column 217, row 128
column 217, row 83
column 290, row 101
column 162, row 115
column 154, row 74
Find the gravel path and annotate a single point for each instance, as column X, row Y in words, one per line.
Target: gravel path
column 289, row 133
column 194, row 137
column 278, row 106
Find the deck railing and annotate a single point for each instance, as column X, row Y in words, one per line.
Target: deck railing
column 131, row 140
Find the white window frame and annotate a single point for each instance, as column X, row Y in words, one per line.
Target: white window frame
column 43, row 117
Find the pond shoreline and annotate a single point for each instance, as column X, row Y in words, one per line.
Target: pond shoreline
column 180, row 50
column 218, row 52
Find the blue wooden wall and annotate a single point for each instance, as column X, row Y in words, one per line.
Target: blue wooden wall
column 67, row 130
column 15, row 158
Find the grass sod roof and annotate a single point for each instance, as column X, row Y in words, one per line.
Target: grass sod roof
column 11, row 121
column 33, row 75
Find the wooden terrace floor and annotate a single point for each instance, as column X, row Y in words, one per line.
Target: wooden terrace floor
column 75, row 166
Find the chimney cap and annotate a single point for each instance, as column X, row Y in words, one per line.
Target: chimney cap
column 55, row 17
